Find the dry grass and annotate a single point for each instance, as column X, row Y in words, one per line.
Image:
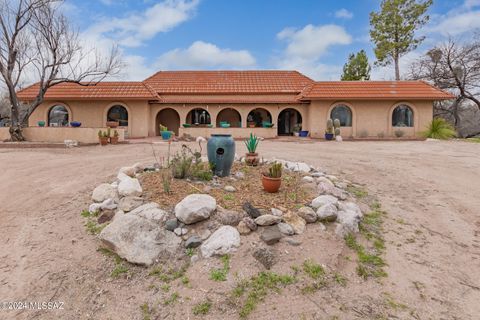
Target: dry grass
column 290, row 196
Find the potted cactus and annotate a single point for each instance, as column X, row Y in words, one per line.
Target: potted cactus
column 296, row 129
column 330, row 132
column 336, row 125
column 272, row 179
column 103, row 137
column 114, row 139
column 251, row 157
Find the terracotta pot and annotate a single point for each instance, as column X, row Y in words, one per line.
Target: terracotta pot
column 251, row 124
column 112, row 124
column 251, row 159
column 113, row 140
column 103, row 140
column 271, row 185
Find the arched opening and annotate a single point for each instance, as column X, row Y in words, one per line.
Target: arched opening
column 119, row 114
column 199, row 117
column 58, row 116
column 342, row 113
column 402, row 116
column 168, row 118
column 288, row 120
column 258, row 117
column 229, row 117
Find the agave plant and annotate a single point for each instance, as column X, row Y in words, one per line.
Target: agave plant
column 439, row 128
column 252, row 143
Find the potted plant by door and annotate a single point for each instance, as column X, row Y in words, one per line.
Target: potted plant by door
column 103, row 137
column 330, row 132
column 296, row 129
column 251, row 157
column 41, row 123
column 166, row 135
column 272, row 179
column 114, row 139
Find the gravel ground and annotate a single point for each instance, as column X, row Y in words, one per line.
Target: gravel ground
column 429, row 189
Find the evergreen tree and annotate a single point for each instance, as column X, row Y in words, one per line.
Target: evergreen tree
column 357, row 67
column 393, row 29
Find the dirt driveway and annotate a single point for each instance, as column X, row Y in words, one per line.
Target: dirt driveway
column 431, row 191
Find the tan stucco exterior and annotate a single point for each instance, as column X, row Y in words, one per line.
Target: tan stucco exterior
column 369, row 117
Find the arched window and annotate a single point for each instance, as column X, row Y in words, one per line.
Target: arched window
column 118, row 113
column 402, row 116
column 258, row 117
column 198, row 117
column 58, row 116
column 230, row 117
column 342, row 113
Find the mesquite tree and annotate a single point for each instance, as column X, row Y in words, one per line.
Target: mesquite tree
column 37, row 43
column 393, row 30
column 453, row 66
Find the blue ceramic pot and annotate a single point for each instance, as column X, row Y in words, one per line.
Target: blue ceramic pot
column 75, row 124
column 329, row 136
column 41, row 123
column 221, row 153
column 166, row 135
column 303, row 133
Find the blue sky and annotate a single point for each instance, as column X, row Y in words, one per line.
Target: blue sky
column 314, row 37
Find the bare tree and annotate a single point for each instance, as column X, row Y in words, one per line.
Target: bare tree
column 452, row 66
column 37, row 41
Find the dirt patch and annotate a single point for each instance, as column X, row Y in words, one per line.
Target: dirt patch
column 291, row 195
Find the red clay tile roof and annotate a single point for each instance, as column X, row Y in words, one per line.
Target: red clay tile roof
column 229, row 98
column 376, row 90
column 230, row 82
column 99, row 91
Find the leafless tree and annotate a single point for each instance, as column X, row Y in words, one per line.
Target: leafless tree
column 452, row 66
column 38, row 43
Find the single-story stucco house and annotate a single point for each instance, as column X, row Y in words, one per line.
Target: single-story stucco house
column 197, row 102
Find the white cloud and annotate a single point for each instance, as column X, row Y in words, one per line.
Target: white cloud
column 306, row 46
column 472, row 3
column 204, row 55
column 344, row 14
column 313, row 41
column 133, row 30
column 456, row 23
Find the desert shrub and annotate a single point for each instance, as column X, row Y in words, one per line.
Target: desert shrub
column 399, row 133
column 439, row 128
column 181, row 164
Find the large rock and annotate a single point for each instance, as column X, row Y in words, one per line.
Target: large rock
column 350, row 206
column 243, row 229
column 250, row 223
column 327, row 212
column 348, row 221
column 223, row 241
column 129, row 187
column 286, row 229
column 195, row 207
column 323, row 200
column 298, row 224
column 267, row 220
column 308, row 214
column 139, row 240
column 129, row 203
column 108, row 204
column 103, row 192
column 150, row 211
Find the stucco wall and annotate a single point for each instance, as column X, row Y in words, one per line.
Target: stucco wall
column 93, row 114
column 370, row 118
column 235, row 132
column 60, row 134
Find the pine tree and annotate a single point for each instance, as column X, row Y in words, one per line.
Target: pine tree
column 357, row 67
column 393, row 29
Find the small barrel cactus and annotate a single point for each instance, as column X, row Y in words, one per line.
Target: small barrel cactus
column 336, row 125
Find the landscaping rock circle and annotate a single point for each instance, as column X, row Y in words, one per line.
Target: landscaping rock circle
column 327, row 212
column 103, row 192
column 129, row 187
column 267, row 220
column 271, row 235
column 308, row 214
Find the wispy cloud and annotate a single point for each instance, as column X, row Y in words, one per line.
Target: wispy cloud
column 205, row 55
column 136, row 28
column 344, row 14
